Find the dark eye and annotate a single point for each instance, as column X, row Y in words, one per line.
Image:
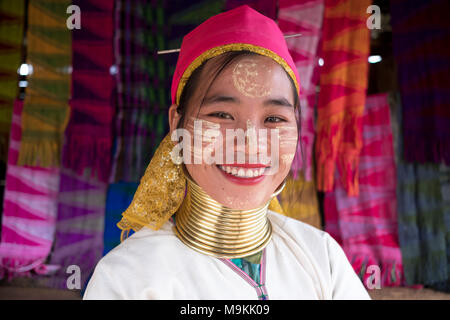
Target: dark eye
column 221, row 115
column 274, row 119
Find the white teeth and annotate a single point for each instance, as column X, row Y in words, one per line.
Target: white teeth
column 241, row 172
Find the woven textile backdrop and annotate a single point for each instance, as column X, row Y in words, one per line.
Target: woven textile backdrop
column 95, row 108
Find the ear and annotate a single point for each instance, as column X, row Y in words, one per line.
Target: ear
column 174, row 117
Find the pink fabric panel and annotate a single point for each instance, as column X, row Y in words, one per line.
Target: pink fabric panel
column 29, row 211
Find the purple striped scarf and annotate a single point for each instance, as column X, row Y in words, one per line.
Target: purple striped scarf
column 79, row 226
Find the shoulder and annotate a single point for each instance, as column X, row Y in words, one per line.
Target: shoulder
column 306, row 241
column 297, row 230
column 142, row 261
column 335, row 273
column 145, row 247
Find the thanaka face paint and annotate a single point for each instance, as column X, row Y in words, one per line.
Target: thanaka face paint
column 207, row 141
column 249, row 78
column 288, row 144
column 206, row 147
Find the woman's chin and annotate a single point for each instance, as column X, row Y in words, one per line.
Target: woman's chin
column 240, row 197
column 239, row 193
column 242, row 201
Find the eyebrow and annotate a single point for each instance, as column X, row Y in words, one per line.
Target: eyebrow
column 220, row 98
column 278, row 102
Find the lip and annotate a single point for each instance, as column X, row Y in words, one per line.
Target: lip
column 240, row 180
column 246, row 165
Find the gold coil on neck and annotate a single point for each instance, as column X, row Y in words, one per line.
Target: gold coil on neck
column 207, row 226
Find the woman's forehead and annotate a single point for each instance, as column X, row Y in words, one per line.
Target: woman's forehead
column 249, row 59
column 252, row 76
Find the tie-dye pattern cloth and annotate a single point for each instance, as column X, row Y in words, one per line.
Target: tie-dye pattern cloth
column 343, row 83
column 366, row 225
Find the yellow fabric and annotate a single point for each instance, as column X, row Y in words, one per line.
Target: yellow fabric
column 46, row 109
column 159, row 194
column 299, row 200
column 275, row 206
column 11, row 39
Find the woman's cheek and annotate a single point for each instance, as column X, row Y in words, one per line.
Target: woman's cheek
column 206, row 140
column 210, row 142
column 288, row 138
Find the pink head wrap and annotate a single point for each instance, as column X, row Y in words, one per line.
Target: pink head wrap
column 236, row 30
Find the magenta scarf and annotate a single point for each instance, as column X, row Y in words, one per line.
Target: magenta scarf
column 89, row 134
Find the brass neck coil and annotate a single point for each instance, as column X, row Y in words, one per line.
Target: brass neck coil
column 208, row 227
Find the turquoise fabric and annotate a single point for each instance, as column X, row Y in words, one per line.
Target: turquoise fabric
column 246, row 264
column 251, row 269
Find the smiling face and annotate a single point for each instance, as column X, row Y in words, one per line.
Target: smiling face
column 250, row 94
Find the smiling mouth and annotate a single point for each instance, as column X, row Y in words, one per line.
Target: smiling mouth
column 241, row 172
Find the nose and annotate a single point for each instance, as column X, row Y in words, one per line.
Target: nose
column 249, row 145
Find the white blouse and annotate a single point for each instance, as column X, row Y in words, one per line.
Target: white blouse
column 300, row 262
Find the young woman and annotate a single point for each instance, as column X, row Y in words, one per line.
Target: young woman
column 208, row 198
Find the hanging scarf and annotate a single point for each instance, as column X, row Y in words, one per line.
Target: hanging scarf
column 421, row 37
column 89, row 132
column 143, row 83
column 343, row 83
column 444, row 177
column 87, row 151
column 11, row 37
column 29, row 212
column 79, row 227
column 46, row 110
column 304, row 17
column 424, row 230
column 367, row 223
